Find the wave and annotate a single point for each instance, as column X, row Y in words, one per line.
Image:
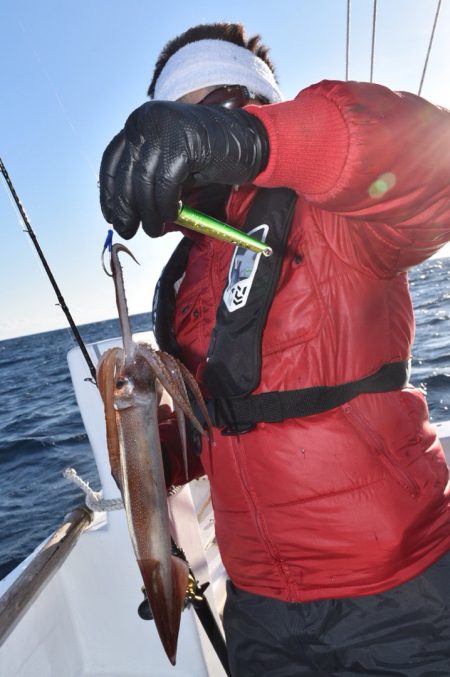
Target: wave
column 32, row 446
column 439, row 383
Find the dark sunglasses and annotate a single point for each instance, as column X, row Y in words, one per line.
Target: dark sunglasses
column 230, row 96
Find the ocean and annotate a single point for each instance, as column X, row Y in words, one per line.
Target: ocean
column 41, row 432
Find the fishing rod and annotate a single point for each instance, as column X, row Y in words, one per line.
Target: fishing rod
column 54, row 284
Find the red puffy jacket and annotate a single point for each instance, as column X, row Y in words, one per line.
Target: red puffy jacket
column 354, row 500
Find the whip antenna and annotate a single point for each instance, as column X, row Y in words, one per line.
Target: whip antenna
column 54, row 284
column 374, row 23
column 436, row 16
column 347, row 41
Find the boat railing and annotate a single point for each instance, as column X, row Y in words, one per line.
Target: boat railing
column 18, row 598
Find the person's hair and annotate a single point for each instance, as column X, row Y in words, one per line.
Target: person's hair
column 216, row 31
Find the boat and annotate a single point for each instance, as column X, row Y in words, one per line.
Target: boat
column 70, row 609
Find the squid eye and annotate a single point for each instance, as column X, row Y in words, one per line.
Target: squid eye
column 121, row 382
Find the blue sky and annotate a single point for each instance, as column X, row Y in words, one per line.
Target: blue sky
column 72, row 71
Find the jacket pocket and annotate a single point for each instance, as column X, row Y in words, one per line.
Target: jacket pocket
column 373, row 439
column 298, row 312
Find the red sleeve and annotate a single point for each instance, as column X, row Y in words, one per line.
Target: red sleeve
column 172, row 452
column 379, row 158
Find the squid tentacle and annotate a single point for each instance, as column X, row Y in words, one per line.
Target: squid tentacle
column 193, row 386
column 172, row 365
column 164, row 375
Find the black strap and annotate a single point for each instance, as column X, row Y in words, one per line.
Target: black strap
column 164, row 299
column 239, row 415
column 233, row 367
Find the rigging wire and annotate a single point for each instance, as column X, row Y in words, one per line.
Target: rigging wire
column 372, row 53
column 54, row 284
column 438, row 7
column 347, row 41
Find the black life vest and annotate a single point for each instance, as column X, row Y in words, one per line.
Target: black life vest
column 233, row 366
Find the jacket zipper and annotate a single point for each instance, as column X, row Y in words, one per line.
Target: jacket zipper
column 399, row 475
column 240, row 463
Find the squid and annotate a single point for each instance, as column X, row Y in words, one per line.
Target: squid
column 129, row 380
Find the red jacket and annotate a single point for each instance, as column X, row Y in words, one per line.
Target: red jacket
column 354, row 500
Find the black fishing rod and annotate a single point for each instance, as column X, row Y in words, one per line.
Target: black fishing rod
column 54, row 284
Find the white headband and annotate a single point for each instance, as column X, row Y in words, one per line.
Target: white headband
column 215, row 62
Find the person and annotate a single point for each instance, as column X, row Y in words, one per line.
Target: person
column 329, row 485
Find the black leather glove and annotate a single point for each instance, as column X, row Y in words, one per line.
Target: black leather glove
column 164, row 144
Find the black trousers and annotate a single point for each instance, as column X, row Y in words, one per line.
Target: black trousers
column 403, row 632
